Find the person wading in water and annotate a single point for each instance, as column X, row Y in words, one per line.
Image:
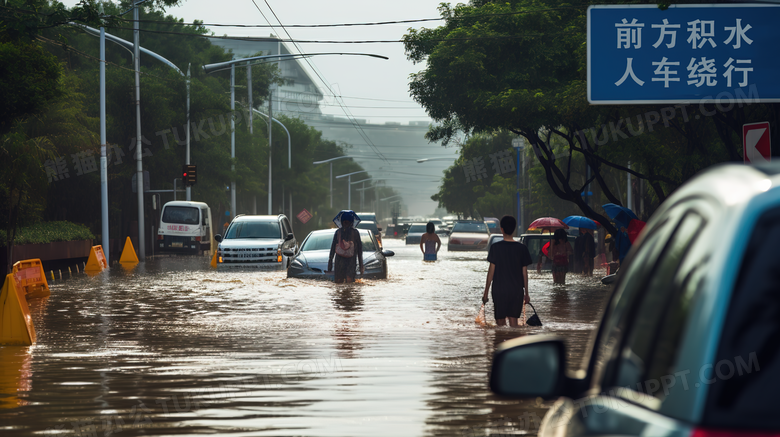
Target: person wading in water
column 430, row 243
column 347, row 248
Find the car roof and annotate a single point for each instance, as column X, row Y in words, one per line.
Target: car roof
column 184, row 203
column 332, row 230
column 258, row 218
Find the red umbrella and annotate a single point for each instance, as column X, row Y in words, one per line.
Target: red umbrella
column 634, row 228
column 548, row 224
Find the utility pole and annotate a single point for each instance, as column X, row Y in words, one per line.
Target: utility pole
column 138, row 145
column 270, row 150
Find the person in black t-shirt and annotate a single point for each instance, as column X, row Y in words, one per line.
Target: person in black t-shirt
column 508, row 272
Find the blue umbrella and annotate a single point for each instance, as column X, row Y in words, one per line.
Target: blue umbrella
column 578, row 221
column 619, row 214
column 346, row 215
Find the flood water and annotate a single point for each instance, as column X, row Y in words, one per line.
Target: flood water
column 176, row 348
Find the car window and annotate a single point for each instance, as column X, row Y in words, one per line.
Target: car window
column 417, row 229
column 185, row 215
column 250, row 229
column 470, row 227
column 637, row 268
column 286, row 226
column 745, row 377
column 318, row 242
column 204, row 217
column 637, row 351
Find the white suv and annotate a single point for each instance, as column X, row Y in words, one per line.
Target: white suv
column 264, row 241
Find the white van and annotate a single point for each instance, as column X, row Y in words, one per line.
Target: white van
column 185, row 227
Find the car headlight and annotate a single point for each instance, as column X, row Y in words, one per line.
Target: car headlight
column 296, row 265
column 375, row 264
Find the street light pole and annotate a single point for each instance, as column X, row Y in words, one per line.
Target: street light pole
column 270, row 149
column 138, row 145
column 189, row 192
column 103, row 159
column 232, row 140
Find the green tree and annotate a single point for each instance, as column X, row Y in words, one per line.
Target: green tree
column 521, row 66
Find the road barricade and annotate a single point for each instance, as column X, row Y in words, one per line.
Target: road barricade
column 16, row 325
column 128, row 259
column 97, row 261
column 29, row 274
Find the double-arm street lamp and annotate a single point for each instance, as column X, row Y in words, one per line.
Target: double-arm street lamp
column 349, row 185
column 135, row 50
column 248, row 62
column 330, row 161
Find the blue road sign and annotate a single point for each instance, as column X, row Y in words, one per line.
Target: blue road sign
column 685, row 54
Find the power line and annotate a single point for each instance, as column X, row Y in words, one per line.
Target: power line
column 389, row 41
column 375, row 23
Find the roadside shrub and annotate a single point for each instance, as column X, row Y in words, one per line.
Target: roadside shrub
column 49, row 232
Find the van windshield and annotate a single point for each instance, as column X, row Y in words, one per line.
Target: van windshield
column 255, row 230
column 185, row 215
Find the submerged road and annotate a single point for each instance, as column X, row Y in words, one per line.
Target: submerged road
column 176, row 348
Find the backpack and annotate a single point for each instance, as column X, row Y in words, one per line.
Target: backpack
column 345, row 249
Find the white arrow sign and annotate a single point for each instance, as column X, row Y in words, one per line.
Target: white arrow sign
column 751, row 140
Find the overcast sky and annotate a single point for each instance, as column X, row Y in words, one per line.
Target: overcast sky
column 373, row 89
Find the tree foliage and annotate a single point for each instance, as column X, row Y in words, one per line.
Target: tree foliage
column 520, row 65
column 50, row 143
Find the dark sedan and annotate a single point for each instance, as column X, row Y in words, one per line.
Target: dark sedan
column 312, row 260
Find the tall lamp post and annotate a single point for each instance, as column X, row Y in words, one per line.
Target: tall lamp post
column 349, row 185
column 211, row 68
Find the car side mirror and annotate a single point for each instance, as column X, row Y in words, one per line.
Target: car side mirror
column 289, row 237
column 530, row 366
column 288, row 252
column 218, row 238
column 388, row 253
column 379, row 229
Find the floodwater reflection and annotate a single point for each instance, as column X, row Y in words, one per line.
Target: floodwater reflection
column 174, row 347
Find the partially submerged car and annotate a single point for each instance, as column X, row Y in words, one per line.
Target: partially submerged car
column 535, row 243
column 468, row 235
column 371, row 226
column 493, row 224
column 264, row 241
column 312, row 260
column 415, row 233
column 687, row 345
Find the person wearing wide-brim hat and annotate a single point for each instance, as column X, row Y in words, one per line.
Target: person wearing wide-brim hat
column 346, row 247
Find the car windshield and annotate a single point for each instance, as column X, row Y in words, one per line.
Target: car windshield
column 470, row 227
column 319, row 241
column 185, row 215
column 322, row 241
column 417, row 229
column 250, row 229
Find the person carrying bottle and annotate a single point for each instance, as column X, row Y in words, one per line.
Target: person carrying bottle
column 508, row 274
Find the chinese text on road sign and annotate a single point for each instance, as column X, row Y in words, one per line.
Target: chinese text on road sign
column 687, row 53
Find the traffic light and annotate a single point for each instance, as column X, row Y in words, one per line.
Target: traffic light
column 189, row 174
